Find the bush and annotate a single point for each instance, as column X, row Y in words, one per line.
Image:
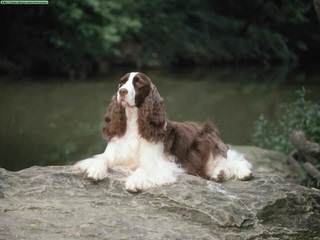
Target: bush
column 301, row 114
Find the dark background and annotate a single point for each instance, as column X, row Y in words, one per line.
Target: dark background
column 87, row 37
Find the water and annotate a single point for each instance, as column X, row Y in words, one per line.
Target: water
column 58, row 122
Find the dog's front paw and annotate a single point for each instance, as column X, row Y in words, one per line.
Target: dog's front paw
column 138, row 181
column 141, row 180
column 97, row 173
column 94, row 168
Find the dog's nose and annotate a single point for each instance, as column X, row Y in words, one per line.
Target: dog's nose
column 123, row 92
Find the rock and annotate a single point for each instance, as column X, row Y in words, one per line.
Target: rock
column 54, row 203
column 267, row 161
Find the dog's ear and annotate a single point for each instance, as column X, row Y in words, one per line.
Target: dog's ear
column 157, row 114
column 114, row 120
column 153, row 108
column 152, row 116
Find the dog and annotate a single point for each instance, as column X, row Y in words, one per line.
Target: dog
column 153, row 149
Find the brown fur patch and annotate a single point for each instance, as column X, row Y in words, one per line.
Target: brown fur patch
column 192, row 144
column 115, row 120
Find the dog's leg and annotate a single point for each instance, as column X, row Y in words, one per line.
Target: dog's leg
column 239, row 166
column 155, row 168
column 96, row 167
column 217, row 169
column 234, row 166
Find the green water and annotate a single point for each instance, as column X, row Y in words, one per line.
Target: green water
column 59, row 122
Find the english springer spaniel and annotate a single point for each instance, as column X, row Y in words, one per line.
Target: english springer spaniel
column 153, row 149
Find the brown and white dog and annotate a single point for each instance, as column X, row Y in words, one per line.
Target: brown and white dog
column 143, row 142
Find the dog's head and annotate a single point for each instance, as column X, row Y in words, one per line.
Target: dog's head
column 136, row 90
column 133, row 89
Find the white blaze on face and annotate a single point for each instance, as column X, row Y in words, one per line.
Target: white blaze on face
column 129, row 99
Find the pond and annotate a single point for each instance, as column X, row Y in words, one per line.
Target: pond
column 57, row 121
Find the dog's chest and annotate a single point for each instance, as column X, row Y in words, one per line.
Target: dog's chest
column 130, row 142
column 126, row 148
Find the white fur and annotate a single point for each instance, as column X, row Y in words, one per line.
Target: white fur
column 155, row 167
column 234, row 166
column 130, row 97
column 152, row 167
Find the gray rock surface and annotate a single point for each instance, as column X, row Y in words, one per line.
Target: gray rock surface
column 54, row 203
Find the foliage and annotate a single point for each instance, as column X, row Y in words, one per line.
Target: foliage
column 90, row 29
column 77, row 36
column 301, row 114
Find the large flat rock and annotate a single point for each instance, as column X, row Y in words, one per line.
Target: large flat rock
column 54, row 203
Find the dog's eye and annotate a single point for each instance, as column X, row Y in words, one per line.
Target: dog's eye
column 121, row 83
column 138, row 82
